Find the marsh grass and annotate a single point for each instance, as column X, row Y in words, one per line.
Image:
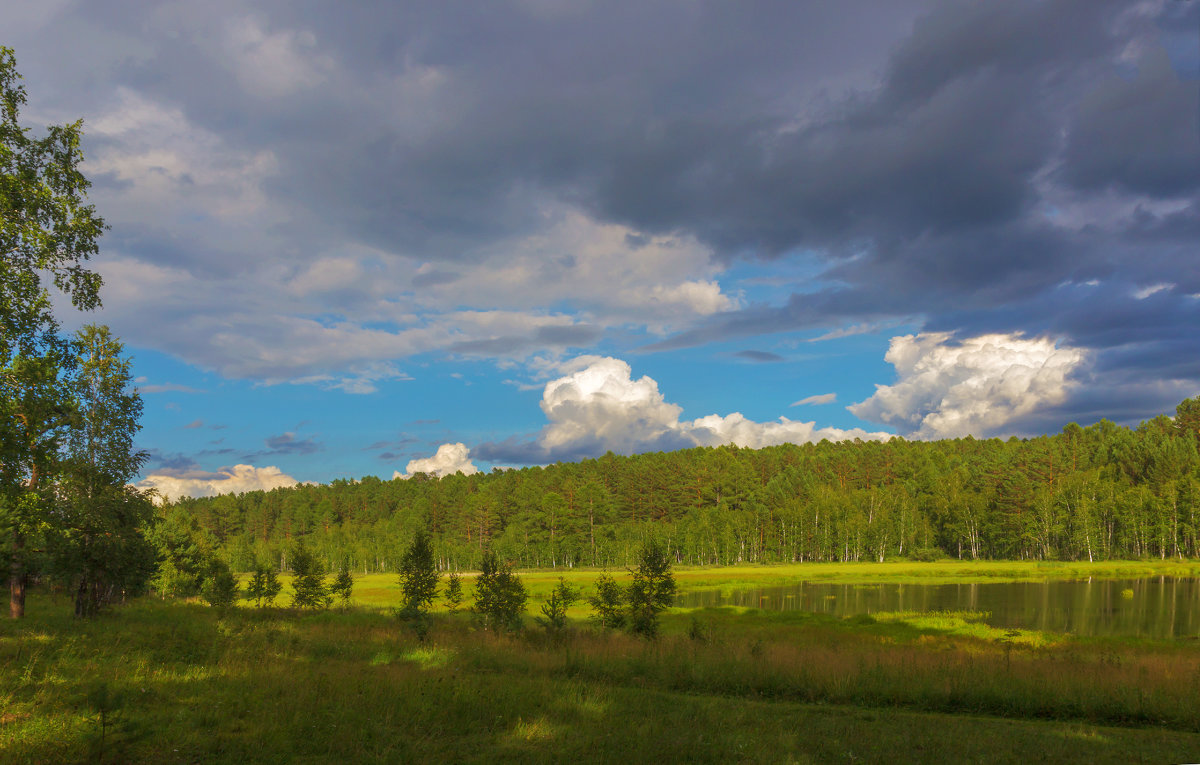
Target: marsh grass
column 179, row 682
column 186, row 683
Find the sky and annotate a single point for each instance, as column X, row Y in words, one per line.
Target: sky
column 381, row 238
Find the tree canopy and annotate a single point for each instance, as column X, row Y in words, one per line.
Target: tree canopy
column 68, row 413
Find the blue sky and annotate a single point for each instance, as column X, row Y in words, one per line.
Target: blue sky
column 389, row 237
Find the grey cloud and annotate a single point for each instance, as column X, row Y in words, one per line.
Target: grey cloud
column 434, row 278
column 160, row 461
column 758, row 356
column 1140, row 134
column 284, row 443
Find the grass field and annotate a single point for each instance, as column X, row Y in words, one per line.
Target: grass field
column 163, row 681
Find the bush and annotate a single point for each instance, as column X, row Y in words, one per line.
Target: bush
column 927, row 554
column 309, row 584
column 499, row 596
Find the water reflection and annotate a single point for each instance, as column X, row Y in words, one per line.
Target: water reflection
column 1160, row 607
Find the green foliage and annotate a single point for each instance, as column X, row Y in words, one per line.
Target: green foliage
column 927, row 554
column 554, row 610
column 652, row 590
column 220, row 587
column 264, row 585
column 499, row 596
column 343, row 585
column 454, row 592
column 97, row 542
column 185, row 552
column 608, row 604
column 418, row 575
column 309, row 589
column 47, row 231
column 1101, row 492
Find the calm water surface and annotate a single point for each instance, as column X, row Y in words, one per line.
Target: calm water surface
column 1161, row 607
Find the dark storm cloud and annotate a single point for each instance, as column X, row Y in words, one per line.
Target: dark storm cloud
column 1139, row 134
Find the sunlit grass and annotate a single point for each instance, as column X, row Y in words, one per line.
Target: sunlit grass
column 194, row 684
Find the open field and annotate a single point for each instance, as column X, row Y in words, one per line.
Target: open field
column 179, row 682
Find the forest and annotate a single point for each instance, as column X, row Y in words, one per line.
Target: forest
column 1091, row 493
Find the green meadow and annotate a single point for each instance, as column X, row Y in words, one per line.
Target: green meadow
column 175, row 681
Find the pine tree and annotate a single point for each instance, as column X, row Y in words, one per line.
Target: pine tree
column 220, row 588
column 554, row 610
column 608, row 604
column 499, row 595
column 454, row 592
column 264, row 585
column 652, row 590
column 343, row 584
column 418, row 576
column 309, row 584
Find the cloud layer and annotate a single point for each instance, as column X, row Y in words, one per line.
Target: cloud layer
column 309, row 194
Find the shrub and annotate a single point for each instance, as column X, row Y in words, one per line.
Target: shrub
column 499, row 596
column 927, row 554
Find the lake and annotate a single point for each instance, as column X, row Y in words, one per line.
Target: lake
column 1161, row 607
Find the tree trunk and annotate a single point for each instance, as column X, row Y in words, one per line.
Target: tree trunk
column 16, row 578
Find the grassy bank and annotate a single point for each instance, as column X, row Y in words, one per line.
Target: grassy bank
column 178, row 682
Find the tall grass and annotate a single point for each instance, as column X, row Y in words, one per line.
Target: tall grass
column 178, row 682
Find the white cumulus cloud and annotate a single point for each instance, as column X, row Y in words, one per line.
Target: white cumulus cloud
column 449, row 459
column 976, row 386
column 227, row 480
column 597, row 406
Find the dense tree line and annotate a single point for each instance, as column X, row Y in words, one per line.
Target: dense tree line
column 1087, row 493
